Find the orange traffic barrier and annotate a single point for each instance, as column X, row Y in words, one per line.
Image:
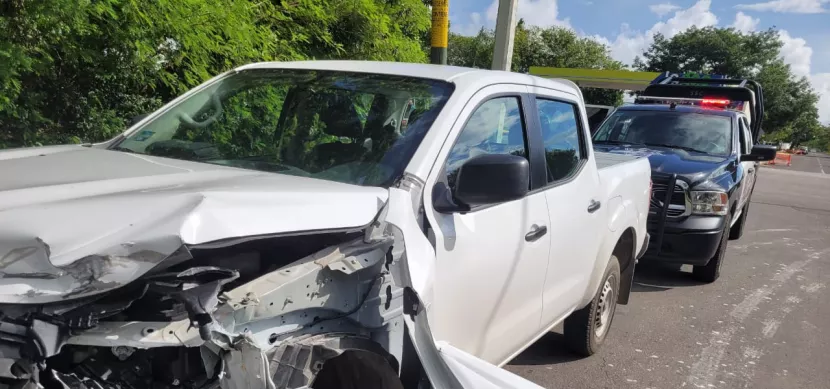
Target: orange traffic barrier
column 782, row 159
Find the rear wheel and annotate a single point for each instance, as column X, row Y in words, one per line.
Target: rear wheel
column 586, row 329
column 711, row 271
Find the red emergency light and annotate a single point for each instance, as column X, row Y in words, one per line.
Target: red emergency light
column 717, row 103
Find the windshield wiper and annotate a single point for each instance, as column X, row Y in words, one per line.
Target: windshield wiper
column 618, row 142
column 119, row 148
column 686, row 148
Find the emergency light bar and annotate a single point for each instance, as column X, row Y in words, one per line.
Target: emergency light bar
column 721, row 103
column 703, row 102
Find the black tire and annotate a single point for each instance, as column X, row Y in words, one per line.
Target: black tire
column 737, row 231
column 711, row 271
column 581, row 327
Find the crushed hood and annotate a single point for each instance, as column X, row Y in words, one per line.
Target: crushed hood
column 77, row 221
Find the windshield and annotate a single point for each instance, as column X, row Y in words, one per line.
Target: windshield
column 694, row 132
column 337, row 126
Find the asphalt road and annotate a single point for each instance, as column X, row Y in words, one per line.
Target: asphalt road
column 764, row 324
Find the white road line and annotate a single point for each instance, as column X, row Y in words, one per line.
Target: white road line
column 819, row 165
column 706, row 369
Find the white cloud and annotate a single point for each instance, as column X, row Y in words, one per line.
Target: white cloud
column 663, row 9
column 796, row 53
column 629, row 44
column 821, row 83
column 745, row 23
column 698, row 15
column 543, row 13
column 788, row 6
column 470, row 27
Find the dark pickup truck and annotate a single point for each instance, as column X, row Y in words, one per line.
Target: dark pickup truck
column 704, row 165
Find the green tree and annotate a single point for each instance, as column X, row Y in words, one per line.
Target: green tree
column 821, row 139
column 712, row 50
column 471, row 51
column 77, row 70
column 536, row 46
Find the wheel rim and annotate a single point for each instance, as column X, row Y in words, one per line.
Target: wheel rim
column 605, row 308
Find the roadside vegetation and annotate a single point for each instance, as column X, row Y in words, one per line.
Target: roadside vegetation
column 76, row 71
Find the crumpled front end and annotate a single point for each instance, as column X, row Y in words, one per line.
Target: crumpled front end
column 296, row 311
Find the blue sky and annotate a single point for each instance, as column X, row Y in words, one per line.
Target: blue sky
column 627, row 26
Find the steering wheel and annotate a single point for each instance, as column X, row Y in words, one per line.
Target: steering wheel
column 188, row 120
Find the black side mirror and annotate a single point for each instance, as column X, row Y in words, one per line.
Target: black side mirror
column 760, row 153
column 488, row 179
column 137, row 119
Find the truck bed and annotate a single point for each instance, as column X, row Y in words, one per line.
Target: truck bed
column 606, row 160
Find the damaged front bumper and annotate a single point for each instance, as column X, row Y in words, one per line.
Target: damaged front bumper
column 194, row 326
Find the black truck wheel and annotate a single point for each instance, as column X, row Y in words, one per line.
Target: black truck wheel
column 586, row 329
column 711, row 271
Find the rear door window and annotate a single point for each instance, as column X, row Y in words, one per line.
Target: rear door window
column 562, row 137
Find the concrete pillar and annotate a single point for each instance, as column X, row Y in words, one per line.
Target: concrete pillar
column 505, row 32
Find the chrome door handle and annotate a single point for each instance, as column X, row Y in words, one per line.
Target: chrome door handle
column 594, row 206
column 536, row 232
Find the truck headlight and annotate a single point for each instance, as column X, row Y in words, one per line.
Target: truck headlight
column 709, row 202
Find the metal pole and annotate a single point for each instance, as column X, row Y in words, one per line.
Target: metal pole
column 505, row 31
column 439, row 33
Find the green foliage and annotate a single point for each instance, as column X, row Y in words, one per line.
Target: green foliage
column 78, row 70
column 821, row 139
column 789, row 101
column 535, row 46
column 712, row 50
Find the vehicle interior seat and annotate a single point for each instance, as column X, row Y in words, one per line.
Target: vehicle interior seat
column 378, row 128
column 341, row 120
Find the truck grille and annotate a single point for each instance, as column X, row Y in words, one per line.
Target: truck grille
column 678, row 205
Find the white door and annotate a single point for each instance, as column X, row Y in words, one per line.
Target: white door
column 572, row 192
column 488, row 276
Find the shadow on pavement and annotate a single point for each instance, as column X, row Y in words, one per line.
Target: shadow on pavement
column 658, row 277
column 549, row 350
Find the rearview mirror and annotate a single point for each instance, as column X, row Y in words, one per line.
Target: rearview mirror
column 491, row 179
column 760, row 153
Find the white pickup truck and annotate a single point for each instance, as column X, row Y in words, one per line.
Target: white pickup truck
column 284, row 225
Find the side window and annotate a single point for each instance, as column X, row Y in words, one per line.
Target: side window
column 496, row 127
column 748, row 135
column 562, row 137
column 746, row 142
